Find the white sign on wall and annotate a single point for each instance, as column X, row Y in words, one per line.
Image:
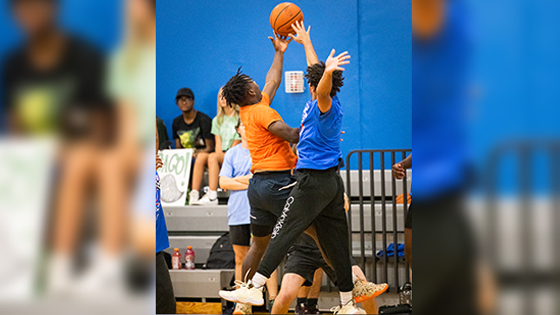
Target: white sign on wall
column 294, row 81
column 174, row 176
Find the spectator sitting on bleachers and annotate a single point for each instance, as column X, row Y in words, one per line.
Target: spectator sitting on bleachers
column 192, row 129
column 224, row 131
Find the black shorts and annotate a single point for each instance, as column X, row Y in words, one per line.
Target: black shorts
column 304, row 262
column 268, row 192
column 165, row 299
column 240, row 234
column 408, row 220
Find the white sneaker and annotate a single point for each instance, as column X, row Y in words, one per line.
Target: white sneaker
column 103, row 280
column 241, row 308
column 193, row 196
column 246, row 294
column 349, row 308
column 205, row 201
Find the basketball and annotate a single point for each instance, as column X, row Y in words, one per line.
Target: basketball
column 283, row 16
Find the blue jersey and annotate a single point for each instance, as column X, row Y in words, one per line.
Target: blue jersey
column 162, row 239
column 319, row 139
column 237, row 162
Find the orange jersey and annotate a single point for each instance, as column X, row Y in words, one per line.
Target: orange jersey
column 268, row 152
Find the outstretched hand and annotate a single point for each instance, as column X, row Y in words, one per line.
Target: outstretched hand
column 302, row 36
column 280, row 43
column 334, row 63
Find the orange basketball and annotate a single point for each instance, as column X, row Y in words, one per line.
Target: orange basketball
column 283, row 16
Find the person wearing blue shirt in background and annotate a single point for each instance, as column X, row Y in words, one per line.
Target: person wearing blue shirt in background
column 446, row 280
column 234, row 176
column 165, row 298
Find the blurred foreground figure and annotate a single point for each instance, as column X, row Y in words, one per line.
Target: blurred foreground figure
column 53, row 83
column 445, row 281
column 56, row 86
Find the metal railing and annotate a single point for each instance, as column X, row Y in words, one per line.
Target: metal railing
column 385, row 201
column 528, row 275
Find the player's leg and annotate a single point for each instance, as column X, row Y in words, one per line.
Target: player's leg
column 272, row 287
column 291, row 283
column 301, row 304
column 267, row 201
column 314, row 291
column 332, row 231
column 308, row 198
column 261, row 238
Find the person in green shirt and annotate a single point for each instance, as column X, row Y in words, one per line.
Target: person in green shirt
column 223, row 129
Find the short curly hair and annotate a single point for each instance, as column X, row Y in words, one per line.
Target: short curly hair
column 315, row 72
column 235, row 90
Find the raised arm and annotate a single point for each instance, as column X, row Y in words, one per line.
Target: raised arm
column 325, row 84
column 274, row 75
column 303, row 38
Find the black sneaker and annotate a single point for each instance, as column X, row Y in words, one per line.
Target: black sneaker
column 312, row 310
column 300, row 309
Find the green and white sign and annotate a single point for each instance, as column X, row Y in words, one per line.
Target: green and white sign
column 174, row 176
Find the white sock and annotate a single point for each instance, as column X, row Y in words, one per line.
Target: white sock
column 259, row 281
column 212, row 194
column 354, row 278
column 345, row 297
column 194, row 192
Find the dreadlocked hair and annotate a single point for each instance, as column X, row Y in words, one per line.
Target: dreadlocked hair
column 235, row 90
column 315, row 72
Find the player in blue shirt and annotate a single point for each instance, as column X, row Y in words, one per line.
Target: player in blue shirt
column 317, row 198
column 165, row 298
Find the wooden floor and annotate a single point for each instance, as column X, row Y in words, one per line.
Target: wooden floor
column 199, row 308
column 326, row 300
column 203, row 308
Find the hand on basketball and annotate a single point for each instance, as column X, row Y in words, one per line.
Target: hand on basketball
column 398, row 171
column 334, row 63
column 280, row 43
column 302, row 36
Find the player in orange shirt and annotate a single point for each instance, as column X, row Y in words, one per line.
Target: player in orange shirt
column 268, row 138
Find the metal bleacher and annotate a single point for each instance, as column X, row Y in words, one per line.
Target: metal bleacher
column 201, row 226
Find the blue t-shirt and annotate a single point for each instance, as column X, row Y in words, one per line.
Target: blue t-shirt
column 319, row 139
column 162, row 239
column 237, row 162
column 439, row 86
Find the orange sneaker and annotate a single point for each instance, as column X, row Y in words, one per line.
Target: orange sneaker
column 364, row 290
